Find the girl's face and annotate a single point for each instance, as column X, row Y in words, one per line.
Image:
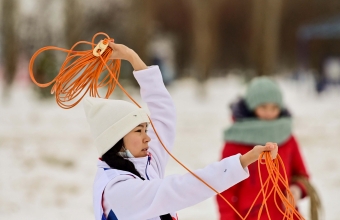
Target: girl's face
column 267, row 111
column 136, row 141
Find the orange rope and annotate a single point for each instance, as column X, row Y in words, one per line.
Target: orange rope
column 80, row 74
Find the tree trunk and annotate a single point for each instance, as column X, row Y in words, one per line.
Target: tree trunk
column 139, row 18
column 265, row 40
column 204, row 37
column 73, row 22
column 9, row 44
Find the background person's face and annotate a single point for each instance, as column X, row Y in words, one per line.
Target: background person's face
column 136, row 141
column 267, row 111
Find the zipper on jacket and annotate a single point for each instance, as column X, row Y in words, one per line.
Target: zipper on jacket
column 147, row 164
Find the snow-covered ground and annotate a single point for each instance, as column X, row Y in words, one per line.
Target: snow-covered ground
column 48, row 161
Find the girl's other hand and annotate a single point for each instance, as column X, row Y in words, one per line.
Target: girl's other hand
column 270, row 146
column 252, row 155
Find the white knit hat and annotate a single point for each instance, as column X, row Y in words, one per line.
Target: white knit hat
column 111, row 120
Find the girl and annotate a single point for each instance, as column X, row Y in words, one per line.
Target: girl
column 258, row 117
column 130, row 182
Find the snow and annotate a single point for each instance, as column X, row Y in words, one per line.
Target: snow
column 48, row 160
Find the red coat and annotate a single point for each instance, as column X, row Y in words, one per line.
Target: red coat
column 242, row 195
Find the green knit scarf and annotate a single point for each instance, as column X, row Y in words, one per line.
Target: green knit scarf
column 255, row 131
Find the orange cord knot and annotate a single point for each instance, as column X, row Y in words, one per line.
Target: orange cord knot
column 100, row 48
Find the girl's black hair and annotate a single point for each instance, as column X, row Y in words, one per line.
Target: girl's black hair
column 115, row 161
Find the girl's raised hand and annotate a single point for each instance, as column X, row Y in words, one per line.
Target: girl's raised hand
column 122, row 52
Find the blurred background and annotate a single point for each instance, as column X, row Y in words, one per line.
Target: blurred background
column 207, row 51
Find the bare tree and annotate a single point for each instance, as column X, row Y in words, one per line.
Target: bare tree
column 204, row 37
column 39, row 31
column 9, row 43
column 73, row 22
column 139, row 18
column 266, row 24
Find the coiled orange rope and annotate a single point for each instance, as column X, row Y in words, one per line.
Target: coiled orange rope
column 81, row 73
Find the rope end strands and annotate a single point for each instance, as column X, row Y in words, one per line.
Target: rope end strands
column 274, row 176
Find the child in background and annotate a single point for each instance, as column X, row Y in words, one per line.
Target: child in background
column 260, row 117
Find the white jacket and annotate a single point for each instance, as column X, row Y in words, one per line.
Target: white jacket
column 124, row 196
